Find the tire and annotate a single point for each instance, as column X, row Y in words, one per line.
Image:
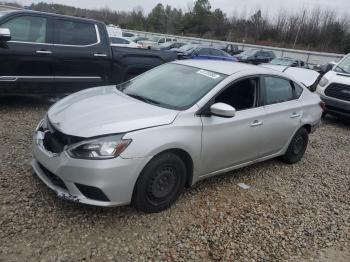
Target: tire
column 160, row 183
column 297, row 147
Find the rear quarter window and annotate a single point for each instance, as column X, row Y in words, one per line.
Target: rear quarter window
column 298, row 90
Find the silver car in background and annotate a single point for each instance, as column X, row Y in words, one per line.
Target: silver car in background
column 143, row 141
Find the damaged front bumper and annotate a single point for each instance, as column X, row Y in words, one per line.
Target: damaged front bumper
column 107, row 182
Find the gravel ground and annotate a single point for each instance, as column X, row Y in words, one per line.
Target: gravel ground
column 295, row 212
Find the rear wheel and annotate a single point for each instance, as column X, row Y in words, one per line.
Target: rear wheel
column 160, row 183
column 297, row 147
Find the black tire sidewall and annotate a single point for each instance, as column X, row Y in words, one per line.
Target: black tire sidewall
column 141, row 200
column 290, row 157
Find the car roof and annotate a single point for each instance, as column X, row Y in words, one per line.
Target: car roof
column 26, row 11
column 223, row 67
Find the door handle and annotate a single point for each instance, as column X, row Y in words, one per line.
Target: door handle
column 295, row 115
column 100, row 55
column 43, row 52
column 256, row 123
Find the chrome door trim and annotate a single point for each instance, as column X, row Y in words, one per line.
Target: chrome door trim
column 46, row 78
column 52, row 44
column 43, row 52
column 100, row 55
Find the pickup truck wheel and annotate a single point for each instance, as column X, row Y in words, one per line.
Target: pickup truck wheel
column 297, row 147
column 160, row 183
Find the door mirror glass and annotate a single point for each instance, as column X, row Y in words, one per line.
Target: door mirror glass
column 5, row 35
column 222, row 110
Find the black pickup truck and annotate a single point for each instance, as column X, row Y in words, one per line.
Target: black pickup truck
column 42, row 53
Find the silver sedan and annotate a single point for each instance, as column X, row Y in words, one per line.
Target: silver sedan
column 143, row 141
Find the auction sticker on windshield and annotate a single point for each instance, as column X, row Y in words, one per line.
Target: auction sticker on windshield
column 208, row 74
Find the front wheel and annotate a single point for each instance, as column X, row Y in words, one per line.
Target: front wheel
column 297, row 147
column 160, row 183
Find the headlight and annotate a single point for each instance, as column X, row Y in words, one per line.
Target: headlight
column 323, row 82
column 99, row 148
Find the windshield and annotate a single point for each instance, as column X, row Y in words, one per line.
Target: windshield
column 248, row 52
column 154, row 39
column 186, row 48
column 161, row 86
column 343, row 66
column 282, row 61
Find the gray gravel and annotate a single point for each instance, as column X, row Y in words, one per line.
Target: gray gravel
column 290, row 212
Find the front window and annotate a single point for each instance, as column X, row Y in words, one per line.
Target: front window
column 30, row 29
column 167, row 44
column 241, row 95
column 161, row 86
column 343, row 66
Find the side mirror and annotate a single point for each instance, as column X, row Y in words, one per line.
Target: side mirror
column 5, row 35
column 222, row 110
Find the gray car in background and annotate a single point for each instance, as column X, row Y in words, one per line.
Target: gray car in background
column 143, row 141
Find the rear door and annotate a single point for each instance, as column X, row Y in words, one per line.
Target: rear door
column 82, row 57
column 26, row 60
column 283, row 113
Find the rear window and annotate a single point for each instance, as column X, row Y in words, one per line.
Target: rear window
column 75, row 33
column 117, row 40
column 277, row 90
column 126, row 34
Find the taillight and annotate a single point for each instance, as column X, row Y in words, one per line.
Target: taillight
column 323, row 105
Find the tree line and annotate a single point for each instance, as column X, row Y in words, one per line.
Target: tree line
column 316, row 29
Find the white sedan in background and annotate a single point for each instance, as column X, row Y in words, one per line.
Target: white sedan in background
column 124, row 42
column 143, row 141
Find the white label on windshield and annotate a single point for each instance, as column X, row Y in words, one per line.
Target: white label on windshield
column 208, row 74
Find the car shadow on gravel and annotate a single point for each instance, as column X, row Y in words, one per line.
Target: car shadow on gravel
column 23, row 101
column 66, row 208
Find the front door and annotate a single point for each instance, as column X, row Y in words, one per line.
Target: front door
column 232, row 141
column 26, row 60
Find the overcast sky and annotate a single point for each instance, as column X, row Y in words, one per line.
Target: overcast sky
column 228, row 6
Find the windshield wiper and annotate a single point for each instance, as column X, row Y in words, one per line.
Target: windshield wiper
column 142, row 98
column 343, row 70
column 121, row 87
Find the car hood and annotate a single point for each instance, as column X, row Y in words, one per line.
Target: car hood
column 338, row 77
column 105, row 110
column 306, row 76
